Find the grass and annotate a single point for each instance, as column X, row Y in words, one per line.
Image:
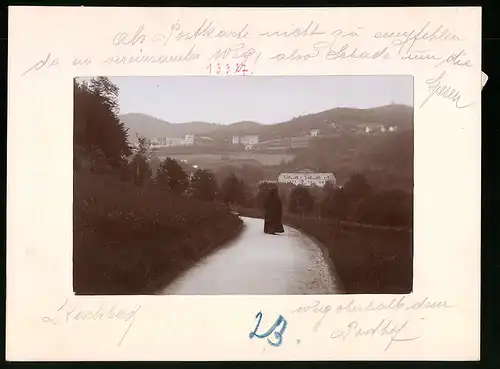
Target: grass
column 232, row 157
column 135, row 240
column 366, row 260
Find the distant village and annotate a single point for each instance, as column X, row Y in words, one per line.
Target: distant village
column 305, row 177
column 251, row 142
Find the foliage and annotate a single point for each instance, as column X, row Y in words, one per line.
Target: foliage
column 96, row 121
column 301, row 201
column 335, row 205
column 140, row 169
column 133, row 240
column 367, row 260
column 249, row 174
column 388, row 208
column 386, row 160
column 170, row 176
column 357, row 201
column 203, row 185
column 357, row 188
column 234, row 191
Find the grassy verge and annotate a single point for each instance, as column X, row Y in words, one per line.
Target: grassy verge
column 135, row 240
column 367, row 260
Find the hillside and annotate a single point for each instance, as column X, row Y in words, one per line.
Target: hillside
column 343, row 119
column 152, row 128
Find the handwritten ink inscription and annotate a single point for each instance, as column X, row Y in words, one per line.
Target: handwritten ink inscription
column 237, row 48
column 385, row 328
column 66, row 314
column 437, row 87
column 47, row 62
column 278, row 335
column 388, row 327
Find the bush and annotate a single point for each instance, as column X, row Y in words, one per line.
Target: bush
column 234, row 191
column 203, row 185
column 301, row 201
column 132, row 240
column 170, row 176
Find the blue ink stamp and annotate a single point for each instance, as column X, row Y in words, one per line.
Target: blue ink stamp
column 278, row 335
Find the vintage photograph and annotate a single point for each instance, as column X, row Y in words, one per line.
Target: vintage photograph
column 251, row 185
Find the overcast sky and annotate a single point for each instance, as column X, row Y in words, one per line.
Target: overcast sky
column 264, row 99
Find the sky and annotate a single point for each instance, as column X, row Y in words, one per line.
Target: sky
column 263, row 99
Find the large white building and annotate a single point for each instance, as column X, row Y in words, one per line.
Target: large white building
column 246, row 140
column 173, row 141
column 307, row 178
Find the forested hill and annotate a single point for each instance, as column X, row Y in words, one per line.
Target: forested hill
column 329, row 121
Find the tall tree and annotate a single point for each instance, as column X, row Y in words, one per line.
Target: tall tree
column 233, row 191
column 96, row 121
column 171, row 176
column 203, row 185
column 357, row 187
column 301, row 201
column 139, row 167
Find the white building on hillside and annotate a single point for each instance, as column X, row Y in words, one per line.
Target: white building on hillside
column 246, row 140
column 307, row 178
column 314, row 132
column 175, row 141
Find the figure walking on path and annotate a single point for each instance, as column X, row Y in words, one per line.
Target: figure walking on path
column 273, row 213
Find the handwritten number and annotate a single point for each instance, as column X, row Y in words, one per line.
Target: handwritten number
column 254, row 333
column 278, row 335
column 239, row 68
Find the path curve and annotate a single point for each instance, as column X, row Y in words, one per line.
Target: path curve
column 257, row 263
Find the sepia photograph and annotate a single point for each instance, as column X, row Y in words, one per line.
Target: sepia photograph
column 243, row 185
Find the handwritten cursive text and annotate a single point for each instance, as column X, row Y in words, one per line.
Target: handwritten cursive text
column 66, row 314
column 437, row 87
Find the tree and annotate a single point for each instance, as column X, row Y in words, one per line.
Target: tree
column 328, row 189
column 335, row 205
column 203, row 185
column 140, row 169
column 234, row 191
column 301, row 201
column 96, row 120
column 171, row 176
column 357, row 187
column 154, row 163
column 143, row 145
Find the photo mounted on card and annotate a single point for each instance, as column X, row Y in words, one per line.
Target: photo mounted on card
column 293, row 187
column 210, row 179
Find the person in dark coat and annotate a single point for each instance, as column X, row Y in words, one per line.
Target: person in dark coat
column 273, row 213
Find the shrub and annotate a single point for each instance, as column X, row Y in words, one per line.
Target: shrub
column 130, row 239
